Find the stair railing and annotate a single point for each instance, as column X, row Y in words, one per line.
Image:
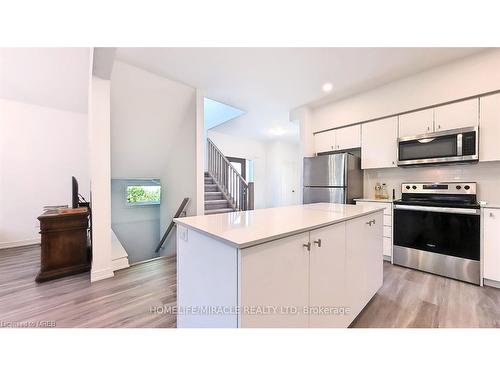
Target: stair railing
column 234, row 186
column 171, row 226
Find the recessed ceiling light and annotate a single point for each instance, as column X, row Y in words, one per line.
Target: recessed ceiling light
column 277, row 131
column 327, row 87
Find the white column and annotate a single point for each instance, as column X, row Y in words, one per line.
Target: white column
column 100, row 177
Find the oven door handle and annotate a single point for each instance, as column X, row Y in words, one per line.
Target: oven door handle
column 448, row 210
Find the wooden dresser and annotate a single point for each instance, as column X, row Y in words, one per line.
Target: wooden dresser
column 64, row 249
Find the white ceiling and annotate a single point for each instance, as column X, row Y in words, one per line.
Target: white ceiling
column 268, row 82
column 51, row 77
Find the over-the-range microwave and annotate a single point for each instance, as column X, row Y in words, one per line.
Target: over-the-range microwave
column 449, row 146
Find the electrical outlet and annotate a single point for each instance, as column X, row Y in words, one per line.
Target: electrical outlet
column 183, row 233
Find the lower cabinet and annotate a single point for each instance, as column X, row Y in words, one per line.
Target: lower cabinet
column 491, row 244
column 387, row 224
column 322, row 278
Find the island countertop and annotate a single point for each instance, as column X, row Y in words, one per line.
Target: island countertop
column 243, row 229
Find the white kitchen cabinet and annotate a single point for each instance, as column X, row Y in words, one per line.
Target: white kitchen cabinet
column 379, row 143
column 359, row 234
column 456, row 115
column 324, row 142
column 342, row 269
column 489, row 128
column 338, row 139
column 348, row 137
column 491, row 244
column 327, row 277
column 276, row 274
column 387, row 229
column 416, row 123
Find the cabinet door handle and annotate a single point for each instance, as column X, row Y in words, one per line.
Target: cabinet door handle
column 428, row 128
column 307, row 246
column 318, row 242
column 371, row 222
column 491, row 214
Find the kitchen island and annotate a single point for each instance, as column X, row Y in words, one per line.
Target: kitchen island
column 314, row 265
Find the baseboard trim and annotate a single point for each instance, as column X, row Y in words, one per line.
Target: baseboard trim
column 120, row 263
column 492, row 283
column 21, row 243
column 96, row 275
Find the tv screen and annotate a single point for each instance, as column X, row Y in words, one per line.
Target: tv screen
column 74, row 192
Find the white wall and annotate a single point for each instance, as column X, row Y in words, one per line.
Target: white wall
column 283, row 171
column 250, row 149
column 40, row 149
column 466, row 77
column 486, row 174
column 153, row 134
column 136, row 227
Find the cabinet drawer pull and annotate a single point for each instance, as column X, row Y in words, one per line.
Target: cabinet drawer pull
column 371, row 222
column 307, row 246
column 318, row 242
column 491, row 214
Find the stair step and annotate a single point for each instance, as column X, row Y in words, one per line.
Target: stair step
column 206, row 174
column 209, row 180
column 216, row 203
column 212, row 195
column 218, row 211
column 211, row 188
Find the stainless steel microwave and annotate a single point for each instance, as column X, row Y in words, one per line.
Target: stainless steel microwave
column 449, row 146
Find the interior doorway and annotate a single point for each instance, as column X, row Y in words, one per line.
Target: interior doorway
column 240, row 165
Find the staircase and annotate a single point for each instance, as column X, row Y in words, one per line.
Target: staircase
column 215, row 202
column 225, row 189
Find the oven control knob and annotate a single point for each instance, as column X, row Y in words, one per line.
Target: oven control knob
column 414, row 187
column 407, row 187
column 466, row 187
column 459, row 187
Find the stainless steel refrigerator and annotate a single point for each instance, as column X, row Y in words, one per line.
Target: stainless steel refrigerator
column 336, row 178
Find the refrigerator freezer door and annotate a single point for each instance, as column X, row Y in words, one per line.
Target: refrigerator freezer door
column 325, row 170
column 324, row 195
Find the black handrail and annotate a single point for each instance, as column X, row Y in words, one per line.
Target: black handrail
column 184, row 203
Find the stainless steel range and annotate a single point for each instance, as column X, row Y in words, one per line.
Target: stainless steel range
column 437, row 229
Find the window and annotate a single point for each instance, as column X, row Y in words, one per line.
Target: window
column 143, row 194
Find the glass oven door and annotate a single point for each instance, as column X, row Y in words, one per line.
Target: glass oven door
column 442, row 230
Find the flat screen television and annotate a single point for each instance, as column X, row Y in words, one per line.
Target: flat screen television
column 74, row 192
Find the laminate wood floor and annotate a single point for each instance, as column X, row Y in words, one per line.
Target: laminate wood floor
column 408, row 298
column 122, row 301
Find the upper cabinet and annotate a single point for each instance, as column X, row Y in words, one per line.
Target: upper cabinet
column 324, row 142
column 379, row 143
column 489, row 130
column 446, row 117
column 338, row 139
column 456, row 115
column 416, row 123
column 348, row 137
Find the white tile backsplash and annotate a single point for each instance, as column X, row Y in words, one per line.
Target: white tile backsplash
column 487, row 176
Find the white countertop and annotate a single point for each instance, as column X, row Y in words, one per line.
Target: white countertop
column 374, row 200
column 490, row 205
column 248, row 228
